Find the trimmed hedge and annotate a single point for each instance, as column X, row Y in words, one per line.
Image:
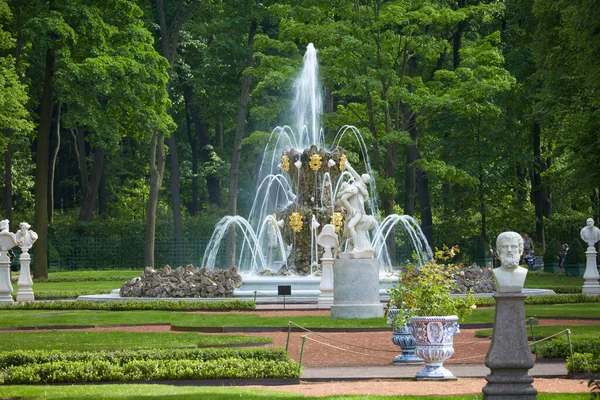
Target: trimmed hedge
column 132, row 305
column 583, row 363
column 559, row 348
column 25, row 357
column 546, row 299
column 148, row 370
column 43, row 367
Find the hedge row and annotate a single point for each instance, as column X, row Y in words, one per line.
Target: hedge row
column 559, row 348
column 546, row 299
column 148, row 370
column 131, row 305
column 583, row 362
column 25, row 357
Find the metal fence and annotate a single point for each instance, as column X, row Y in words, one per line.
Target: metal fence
column 78, row 252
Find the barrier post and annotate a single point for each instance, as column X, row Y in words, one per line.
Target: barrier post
column 533, row 337
column 287, row 342
column 570, row 344
column 301, row 353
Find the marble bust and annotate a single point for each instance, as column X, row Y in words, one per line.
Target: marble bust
column 509, row 277
column 25, row 237
column 590, row 233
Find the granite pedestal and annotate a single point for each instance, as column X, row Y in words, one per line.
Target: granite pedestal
column 356, row 289
column 509, row 356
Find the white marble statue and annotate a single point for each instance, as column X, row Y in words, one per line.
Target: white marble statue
column 352, row 197
column 5, row 225
column 25, row 237
column 590, row 233
column 509, row 277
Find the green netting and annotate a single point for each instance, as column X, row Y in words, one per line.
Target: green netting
column 78, row 252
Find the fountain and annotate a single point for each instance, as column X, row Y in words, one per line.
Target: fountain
column 299, row 179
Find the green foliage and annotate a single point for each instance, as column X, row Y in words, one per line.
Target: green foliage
column 559, row 348
column 563, row 298
column 427, row 290
column 576, row 254
column 583, row 363
column 551, row 252
column 129, row 305
column 149, row 370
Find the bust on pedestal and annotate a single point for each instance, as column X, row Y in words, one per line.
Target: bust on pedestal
column 509, row 357
column 590, row 234
column 25, row 239
column 356, row 272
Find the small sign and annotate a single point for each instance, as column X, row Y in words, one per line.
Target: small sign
column 284, row 290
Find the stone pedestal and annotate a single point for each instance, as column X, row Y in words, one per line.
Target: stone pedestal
column 356, row 289
column 326, row 287
column 25, row 292
column 509, row 357
column 5, row 286
column 591, row 276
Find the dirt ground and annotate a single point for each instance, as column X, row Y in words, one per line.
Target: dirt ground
column 343, row 349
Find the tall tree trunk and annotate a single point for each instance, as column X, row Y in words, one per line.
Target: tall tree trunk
column 91, row 190
column 102, row 195
column 8, row 191
column 424, row 205
column 8, row 188
column 40, row 250
column 409, row 120
column 237, row 144
column 176, row 200
column 537, row 189
column 157, row 169
column 80, row 154
column 194, row 205
column 53, row 165
column 169, row 41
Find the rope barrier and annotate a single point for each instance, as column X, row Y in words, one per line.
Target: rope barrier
column 342, row 349
column 342, row 342
column 549, row 337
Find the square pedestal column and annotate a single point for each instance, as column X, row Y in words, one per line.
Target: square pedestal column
column 509, row 357
column 356, row 289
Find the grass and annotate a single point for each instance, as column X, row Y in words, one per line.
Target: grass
column 88, row 286
column 534, row 281
column 93, row 341
column 168, row 392
column 577, row 331
column 249, row 319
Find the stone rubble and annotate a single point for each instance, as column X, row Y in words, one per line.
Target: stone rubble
column 183, row 282
column 479, row 280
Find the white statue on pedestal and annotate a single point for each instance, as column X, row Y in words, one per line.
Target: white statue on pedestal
column 590, row 233
column 7, row 242
column 352, row 197
column 25, row 239
column 509, row 277
column 327, row 239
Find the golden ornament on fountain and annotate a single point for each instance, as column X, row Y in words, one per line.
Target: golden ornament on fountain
column 296, row 221
column 285, row 163
column 337, row 220
column 315, row 162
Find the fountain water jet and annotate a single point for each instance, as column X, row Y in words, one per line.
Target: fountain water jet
column 299, row 179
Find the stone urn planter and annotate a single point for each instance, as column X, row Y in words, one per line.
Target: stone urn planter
column 434, row 344
column 404, row 339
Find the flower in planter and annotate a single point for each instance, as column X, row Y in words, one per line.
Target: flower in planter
column 427, row 290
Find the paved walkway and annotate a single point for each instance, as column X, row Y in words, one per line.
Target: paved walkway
column 313, row 374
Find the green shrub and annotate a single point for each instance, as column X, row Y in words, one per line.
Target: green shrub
column 546, row 299
column 552, row 250
column 583, row 362
column 149, row 370
column 27, row 357
column 576, row 254
column 131, row 305
column 559, row 348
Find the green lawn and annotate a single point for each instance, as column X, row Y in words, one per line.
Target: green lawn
column 167, row 392
column 88, row 286
column 93, row 341
column 577, row 331
column 534, row 281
